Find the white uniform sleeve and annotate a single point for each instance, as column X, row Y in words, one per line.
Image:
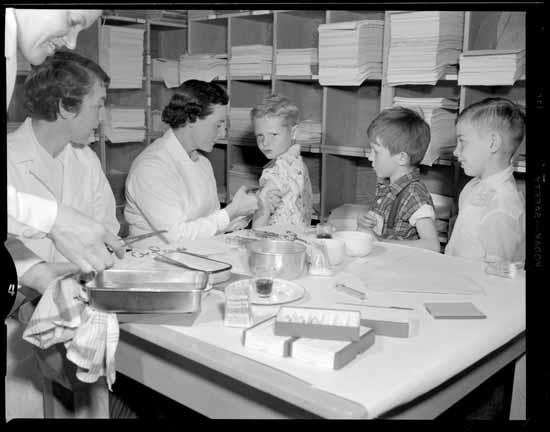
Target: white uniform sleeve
column 29, row 215
column 159, row 202
column 425, row 211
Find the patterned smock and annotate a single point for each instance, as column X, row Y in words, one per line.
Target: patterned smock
column 288, row 173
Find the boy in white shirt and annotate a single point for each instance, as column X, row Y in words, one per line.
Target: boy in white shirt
column 491, row 220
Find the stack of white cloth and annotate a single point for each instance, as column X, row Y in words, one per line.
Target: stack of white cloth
column 241, row 127
column 204, row 67
column 166, row 70
column 350, row 52
column 440, row 114
column 90, row 336
column 491, row 67
column 422, row 44
column 249, row 60
column 297, row 61
column 121, row 56
column 125, row 124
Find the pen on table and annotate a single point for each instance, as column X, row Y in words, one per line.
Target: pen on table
column 376, row 306
column 350, row 291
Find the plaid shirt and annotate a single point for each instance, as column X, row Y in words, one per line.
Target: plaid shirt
column 415, row 196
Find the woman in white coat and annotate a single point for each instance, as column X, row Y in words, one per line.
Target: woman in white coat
column 171, row 184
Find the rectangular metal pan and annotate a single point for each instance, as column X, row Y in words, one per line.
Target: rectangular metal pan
column 147, row 291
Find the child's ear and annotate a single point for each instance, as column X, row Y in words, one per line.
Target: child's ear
column 293, row 131
column 495, row 143
column 403, row 159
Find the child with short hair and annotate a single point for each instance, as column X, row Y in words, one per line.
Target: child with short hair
column 403, row 211
column 491, row 220
column 285, row 193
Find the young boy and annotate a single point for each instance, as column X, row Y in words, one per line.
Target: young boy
column 491, row 220
column 403, row 211
column 285, row 194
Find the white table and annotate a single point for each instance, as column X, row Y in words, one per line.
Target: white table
column 205, row 368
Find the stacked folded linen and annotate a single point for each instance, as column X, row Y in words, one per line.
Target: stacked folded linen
column 491, row 67
column 440, row 114
column 166, row 70
column 241, row 127
column 299, row 61
column 249, row 60
column 125, row 124
column 121, row 56
column 205, row 67
column 422, row 44
column 350, row 52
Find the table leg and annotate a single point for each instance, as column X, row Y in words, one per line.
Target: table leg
column 518, row 405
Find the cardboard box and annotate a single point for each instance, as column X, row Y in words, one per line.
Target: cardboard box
column 318, row 323
column 261, row 337
column 331, row 354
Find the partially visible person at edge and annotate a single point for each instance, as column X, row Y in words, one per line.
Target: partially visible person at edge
column 38, row 33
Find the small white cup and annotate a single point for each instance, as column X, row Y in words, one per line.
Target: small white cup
column 358, row 243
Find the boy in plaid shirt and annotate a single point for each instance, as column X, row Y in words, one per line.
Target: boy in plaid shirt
column 403, row 211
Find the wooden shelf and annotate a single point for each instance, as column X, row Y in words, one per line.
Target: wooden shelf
column 266, row 77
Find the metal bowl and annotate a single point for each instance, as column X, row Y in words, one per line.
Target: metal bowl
column 281, row 259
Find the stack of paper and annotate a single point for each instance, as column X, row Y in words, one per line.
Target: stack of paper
column 350, row 52
column 440, row 114
column 125, row 124
column 491, row 67
column 204, row 67
column 166, row 70
column 241, row 127
column 300, row 61
column 22, row 64
column 121, row 56
column 251, row 60
column 422, row 44
column 197, row 14
column 309, row 130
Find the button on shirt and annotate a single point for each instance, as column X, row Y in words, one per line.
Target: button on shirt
column 491, row 220
column 165, row 189
column 416, row 204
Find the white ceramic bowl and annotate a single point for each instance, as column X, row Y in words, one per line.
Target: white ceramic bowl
column 336, row 249
column 358, row 243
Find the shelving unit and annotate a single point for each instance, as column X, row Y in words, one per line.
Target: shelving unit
column 339, row 170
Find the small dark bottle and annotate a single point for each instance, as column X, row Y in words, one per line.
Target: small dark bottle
column 324, row 236
column 264, row 287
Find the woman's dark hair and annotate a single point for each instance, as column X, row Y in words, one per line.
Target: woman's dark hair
column 193, row 100
column 63, row 79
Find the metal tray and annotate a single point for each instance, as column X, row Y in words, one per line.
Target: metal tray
column 147, row 291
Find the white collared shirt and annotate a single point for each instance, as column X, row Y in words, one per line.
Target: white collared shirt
column 491, row 220
column 165, row 189
column 79, row 182
column 28, row 214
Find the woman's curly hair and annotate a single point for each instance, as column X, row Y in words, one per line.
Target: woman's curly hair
column 193, row 99
column 61, row 80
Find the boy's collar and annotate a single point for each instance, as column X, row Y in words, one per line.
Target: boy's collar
column 403, row 181
column 498, row 177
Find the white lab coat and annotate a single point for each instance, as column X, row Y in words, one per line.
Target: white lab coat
column 84, row 187
column 26, row 213
column 165, row 189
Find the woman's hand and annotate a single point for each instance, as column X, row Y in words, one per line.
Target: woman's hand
column 243, row 204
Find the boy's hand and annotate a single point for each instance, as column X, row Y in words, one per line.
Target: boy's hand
column 370, row 221
column 271, row 197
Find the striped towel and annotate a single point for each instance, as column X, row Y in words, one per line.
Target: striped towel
column 90, row 336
